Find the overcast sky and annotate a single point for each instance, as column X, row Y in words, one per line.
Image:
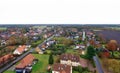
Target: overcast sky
column 59, row 11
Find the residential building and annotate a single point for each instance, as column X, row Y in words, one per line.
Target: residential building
column 5, row 59
column 38, row 50
column 80, row 46
column 61, row 68
column 25, row 65
column 70, row 59
column 20, row 50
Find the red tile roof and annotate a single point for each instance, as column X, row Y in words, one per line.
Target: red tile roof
column 62, row 68
column 26, row 61
column 6, row 58
column 21, row 49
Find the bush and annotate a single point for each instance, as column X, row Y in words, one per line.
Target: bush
column 80, row 69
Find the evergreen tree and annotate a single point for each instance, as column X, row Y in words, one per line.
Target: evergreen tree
column 51, row 60
column 90, row 53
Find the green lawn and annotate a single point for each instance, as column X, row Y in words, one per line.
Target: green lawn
column 42, row 64
column 48, row 51
column 3, row 28
column 72, row 51
column 36, row 43
column 9, row 71
column 116, row 54
column 75, row 72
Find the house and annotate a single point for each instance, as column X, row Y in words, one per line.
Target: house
column 38, row 50
column 25, row 65
column 79, row 46
column 5, row 59
column 61, row 68
column 3, row 42
column 20, row 50
column 50, row 42
column 43, row 47
column 45, row 36
column 70, row 59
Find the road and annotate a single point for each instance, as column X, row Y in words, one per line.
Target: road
column 22, row 56
column 98, row 65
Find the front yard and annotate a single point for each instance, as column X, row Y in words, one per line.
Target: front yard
column 9, row 71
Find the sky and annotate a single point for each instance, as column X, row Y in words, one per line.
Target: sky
column 59, row 11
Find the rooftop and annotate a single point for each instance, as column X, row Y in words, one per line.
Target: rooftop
column 62, row 68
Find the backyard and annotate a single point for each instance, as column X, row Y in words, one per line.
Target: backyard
column 42, row 64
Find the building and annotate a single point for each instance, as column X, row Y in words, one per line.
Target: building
column 5, row 59
column 70, row 59
column 61, row 68
column 38, row 50
column 20, row 50
column 25, row 65
column 83, row 36
column 3, row 42
column 49, row 43
column 80, row 46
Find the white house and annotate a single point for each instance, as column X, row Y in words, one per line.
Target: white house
column 79, row 46
column 20, row 50
column 3, row 42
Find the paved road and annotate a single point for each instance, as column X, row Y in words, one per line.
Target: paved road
column 98, row 65
column 22, row 56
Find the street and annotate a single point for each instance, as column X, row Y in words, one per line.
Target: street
column 98, row 65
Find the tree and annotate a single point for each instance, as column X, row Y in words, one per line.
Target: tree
column 112, row 46
column 90, row 53
column 51, row 60
column 12, row 40
column 112, row 65
column 80, row 70
column 65, row 41
column 92, row 42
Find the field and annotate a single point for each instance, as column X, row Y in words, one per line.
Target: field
column 72, row 51
column 2, row 28
column 36, row 43
column 9, row 71
column 42, row 64
column 108, row 34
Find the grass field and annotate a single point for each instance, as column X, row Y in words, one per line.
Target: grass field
column 72, row 51
column 116, row 54
column 36, row 43
column 9, row 71
column 2, row 28
column 42, row 64
column 75, row 72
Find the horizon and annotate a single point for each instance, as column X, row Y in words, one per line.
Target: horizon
column 59, row 24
